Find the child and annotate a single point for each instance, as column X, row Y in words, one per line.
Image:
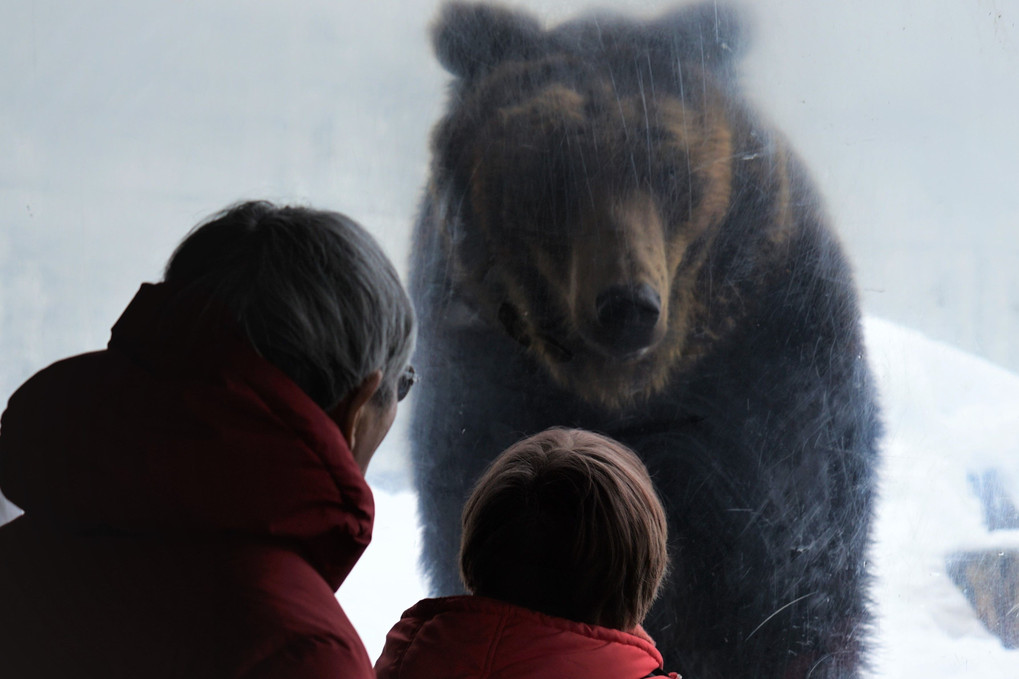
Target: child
column 563, row 551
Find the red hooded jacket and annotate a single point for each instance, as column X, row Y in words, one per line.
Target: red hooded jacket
column 189, row 512
column 468, row 637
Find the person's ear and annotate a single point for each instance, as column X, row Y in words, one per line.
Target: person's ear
column 347, row 413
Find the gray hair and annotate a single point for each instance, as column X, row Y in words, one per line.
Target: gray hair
column 312, row 291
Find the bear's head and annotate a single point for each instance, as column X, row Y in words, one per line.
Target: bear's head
column 581, row 180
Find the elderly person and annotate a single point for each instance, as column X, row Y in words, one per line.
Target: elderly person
column 194, row 494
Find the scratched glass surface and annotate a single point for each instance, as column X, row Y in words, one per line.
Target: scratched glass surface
column 123, row 124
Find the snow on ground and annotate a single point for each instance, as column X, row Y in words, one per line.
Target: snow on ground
column 386, row 581
column 947, row 414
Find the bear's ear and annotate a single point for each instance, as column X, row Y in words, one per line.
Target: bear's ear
column 470, row 39
column 715, row 33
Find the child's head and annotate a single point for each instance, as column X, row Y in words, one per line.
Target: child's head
column 566, row 522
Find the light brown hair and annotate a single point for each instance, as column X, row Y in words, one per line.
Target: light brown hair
column 567, row 522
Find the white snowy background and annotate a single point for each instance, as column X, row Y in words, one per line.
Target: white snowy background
column 124, row 122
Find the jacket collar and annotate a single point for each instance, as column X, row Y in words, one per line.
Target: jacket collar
column 469, row 636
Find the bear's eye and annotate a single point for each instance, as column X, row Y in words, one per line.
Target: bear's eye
column 541, row 220
column 540, row 203
column 674, row 174
column 674, row 187
column 671, row 176
column 677, row 165
column 534, row 215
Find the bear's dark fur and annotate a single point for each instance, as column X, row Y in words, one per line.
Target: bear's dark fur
column 612, row 239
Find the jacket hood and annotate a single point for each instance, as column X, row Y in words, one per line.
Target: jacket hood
column 180, row 427
column 474, row 637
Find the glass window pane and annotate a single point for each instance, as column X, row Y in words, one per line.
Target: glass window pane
column 123, row 124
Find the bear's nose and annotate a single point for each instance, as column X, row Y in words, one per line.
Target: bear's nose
column 627, row 315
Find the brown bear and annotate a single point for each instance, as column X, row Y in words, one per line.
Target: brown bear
column 613, row 239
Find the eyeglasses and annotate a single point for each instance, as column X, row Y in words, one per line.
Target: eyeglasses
column 406, row 381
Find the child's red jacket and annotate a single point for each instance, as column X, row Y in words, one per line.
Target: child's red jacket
column 469, row 637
